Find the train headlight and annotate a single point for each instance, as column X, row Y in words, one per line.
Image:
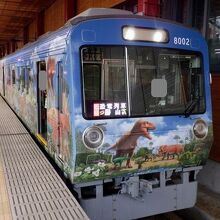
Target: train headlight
column 93, row 137
column 145, row 34
column 158, row 36
column 200, row 129
column 129, row 33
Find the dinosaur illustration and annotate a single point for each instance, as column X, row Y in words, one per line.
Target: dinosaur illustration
column 125, row 146
column 149, row 157
column 167, row 150
column 119, row 160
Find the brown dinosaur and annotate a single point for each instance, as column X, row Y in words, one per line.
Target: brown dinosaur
column 170, row 150
column 125, row 146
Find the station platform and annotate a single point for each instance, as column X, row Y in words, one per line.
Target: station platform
column 30, row 188
column 207, row 206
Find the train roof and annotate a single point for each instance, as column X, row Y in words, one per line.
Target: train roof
column 94, row 13
column 97, row 13
column 89, row 14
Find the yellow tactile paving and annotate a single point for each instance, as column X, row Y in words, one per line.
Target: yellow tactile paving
column 5, row 212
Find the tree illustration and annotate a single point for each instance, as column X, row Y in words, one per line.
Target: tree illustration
column 151, row 144
column 181, row 141
column 176, row 137
column 191, row 135
column 139, row 161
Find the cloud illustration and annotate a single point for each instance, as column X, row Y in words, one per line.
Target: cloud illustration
column 161, row 138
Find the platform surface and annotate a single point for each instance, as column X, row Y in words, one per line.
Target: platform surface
column 30, row 188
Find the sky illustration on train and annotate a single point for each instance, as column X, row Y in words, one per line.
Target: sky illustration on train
column 169, row 129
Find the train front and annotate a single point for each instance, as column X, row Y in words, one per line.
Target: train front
column 142, row 125
column 142, row 103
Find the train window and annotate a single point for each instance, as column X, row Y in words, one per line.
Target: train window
column 18, row 79
column 108, row 92
column 104, row 73
column 61, row 87
column 13, row 76
column 28, row 79
column 9, row 76
column 92, row 79
column 182, row 71
column 22, row 79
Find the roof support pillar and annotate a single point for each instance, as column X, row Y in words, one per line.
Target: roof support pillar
column 13, row 46
column 25, row 35
column 3, row 51
column 8, row 47
column 40, row 24
column 70, row 8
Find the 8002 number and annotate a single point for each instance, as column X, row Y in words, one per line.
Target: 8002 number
column 181, row 41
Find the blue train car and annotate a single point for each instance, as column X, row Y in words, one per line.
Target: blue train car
column 122, row 103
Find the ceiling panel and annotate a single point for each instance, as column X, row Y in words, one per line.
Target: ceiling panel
column 16, row 14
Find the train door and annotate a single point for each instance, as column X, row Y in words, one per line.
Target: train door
column 42, row 101
column 60, row 101
column 63, row 116
column 3, row 80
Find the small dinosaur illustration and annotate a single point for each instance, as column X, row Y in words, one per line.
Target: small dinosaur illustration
column 119, row 160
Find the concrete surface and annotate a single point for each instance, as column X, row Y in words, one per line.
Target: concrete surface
column 208, row 199
column 209, row 176
column 207, row 206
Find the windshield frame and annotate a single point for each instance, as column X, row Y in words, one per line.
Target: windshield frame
column 125, row 47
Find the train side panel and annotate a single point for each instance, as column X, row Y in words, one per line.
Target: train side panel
column 20, row 87
column 37, row 86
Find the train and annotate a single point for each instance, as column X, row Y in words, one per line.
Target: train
column 122, row 104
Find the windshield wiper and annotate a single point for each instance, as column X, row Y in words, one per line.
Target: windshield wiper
column 191, row 106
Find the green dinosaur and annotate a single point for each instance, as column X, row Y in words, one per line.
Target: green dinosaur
column 119, row 160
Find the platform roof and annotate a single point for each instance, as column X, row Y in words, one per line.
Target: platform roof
column 16, row 14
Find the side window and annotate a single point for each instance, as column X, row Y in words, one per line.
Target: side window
column 22, row 79
column 18, row 78
column 9, row 76
column 42, row 80
column 28, row 79
column 13, row 76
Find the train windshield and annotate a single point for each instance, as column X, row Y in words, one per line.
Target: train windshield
column 141, row 81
